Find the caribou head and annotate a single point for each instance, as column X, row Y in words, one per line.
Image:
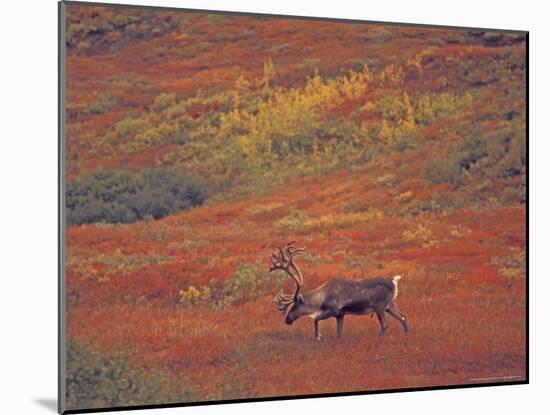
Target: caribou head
column 283, row 259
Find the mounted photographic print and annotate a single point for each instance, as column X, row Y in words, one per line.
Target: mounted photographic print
column 264, row 207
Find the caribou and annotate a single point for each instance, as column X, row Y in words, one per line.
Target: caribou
column 335, row 298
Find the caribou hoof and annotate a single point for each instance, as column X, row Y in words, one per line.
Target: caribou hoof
column 319, row 337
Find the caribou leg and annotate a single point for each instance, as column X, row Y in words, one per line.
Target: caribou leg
column 339, row 326
column 400, row 317
column 316, row 326
column 382, row 320
column 322, row 316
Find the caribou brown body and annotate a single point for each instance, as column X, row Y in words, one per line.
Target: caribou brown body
column 337, row 297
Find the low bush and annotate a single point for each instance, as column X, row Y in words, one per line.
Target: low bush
column 299, row 221
column 247, row 283
column 296, row 220
column 513, row 265
column 122, row 197
column 498, row 154
column 443, row 170
column 95, row 381
column 386, row 180
column 89, row 30
column 440, row 202
column 420, row 235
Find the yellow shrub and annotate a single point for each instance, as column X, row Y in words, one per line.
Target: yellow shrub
column 296, row 220
column 404, row 197
column 344, row 220
column 514, row 265
column 194, row 296
column 292, row 113
column 300, row 221
column 422, row 235
column 386, row 180
column 460, row 230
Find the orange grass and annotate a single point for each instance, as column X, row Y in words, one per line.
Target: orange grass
column 466, row 322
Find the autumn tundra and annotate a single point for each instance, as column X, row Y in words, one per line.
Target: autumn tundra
column 198, row 145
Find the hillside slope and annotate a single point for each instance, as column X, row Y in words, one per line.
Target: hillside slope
column 190, row 295
column 383, row 150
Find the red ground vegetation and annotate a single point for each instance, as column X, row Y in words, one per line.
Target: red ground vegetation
column 459, row 245
column 467, row 322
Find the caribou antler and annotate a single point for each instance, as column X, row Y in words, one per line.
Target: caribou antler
column 284, row 260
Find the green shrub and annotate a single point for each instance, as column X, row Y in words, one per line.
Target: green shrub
column 90, row 30
column 442, row 202
column 513, row 265
column 386, row 180
column 164, row 101
column 508, row 153
column 441, row 170
column 122, row 197
column 393, row 108
column 247, row 283
column 129, row 127
column 96, row 381
column 295, row 221
column 299, row 221
column 501, row 153
column 459, row 158
column 469, row 153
